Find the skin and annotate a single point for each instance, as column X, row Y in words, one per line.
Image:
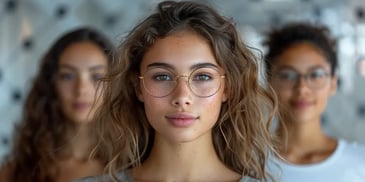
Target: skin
column 81, row 65
column 306, row 143
column 182, row 153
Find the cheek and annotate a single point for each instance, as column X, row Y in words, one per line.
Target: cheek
column 154, row 107
column 98, row 91
column 283, row 94
column 210, row 108
column 97, row 100
column 280, row 92
column 323, row 96
column 64, row 93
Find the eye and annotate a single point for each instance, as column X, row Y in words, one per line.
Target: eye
column 66, row 76
column 159, row 75
column 317, row 74
column 201, row 77
column 162, row 77
column 287, row 75
column 97, row 77
column 204, row 74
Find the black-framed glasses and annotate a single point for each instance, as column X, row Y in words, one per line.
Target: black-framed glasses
column 315, row 79
column 203, row 82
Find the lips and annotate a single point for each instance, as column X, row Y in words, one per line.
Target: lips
column 301, row 104
column 80, row 106
column 181, row 120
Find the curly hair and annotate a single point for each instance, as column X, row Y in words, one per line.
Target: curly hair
column 278, row 40
column 241, row 136
column 41, row 132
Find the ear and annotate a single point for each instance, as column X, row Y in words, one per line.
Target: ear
column 138, row 91
column 224, row 96
column 333, row 88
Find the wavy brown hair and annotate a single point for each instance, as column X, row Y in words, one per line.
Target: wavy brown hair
column 43, row 128
column 241, row 135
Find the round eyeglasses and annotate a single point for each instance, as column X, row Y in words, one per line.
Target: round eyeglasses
column 203, row 82
column 315, row 79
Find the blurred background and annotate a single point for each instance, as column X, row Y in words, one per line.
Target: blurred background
column 29, row 27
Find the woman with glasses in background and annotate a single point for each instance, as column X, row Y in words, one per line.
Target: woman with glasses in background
column 184, row 102
column 301, row 63
column 52, row 142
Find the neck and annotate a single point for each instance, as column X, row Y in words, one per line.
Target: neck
column 302, row 136
column 78, row 145
column 188, row 161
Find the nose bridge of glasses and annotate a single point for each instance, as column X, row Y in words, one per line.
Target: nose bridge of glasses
column 177, row 78
column 302, row 79
column 181, row 76
column 306, row 77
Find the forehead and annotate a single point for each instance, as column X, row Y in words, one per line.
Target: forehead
column 83, row 54
column 180, row 51
column 302, row 56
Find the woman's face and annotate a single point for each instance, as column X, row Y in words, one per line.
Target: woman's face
column 302, row 79
column 81, row 65
column 177, row 112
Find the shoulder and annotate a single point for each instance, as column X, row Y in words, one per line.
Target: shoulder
column 352, row 149
column 124, row 176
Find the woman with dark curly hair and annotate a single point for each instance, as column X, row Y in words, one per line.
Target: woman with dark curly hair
column 301, row 62
column 184, row 102
column 52, row 142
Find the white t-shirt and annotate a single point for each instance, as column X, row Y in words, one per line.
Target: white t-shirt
column 346, row 164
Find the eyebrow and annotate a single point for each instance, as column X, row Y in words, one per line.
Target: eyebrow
column 292, row 68
column 169, row 66
column 91, row 68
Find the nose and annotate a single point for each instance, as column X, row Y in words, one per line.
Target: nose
column 84, row 86
column 301, row 83
column 182, row 94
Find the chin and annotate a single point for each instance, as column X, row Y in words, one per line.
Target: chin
column 81, row 119
column 184, row 137
column 302, row 118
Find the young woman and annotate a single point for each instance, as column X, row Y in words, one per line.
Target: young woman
column 52, row 142
column 301, row 63
column 184, row 102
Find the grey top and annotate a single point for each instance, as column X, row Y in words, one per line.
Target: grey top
column 125, row 177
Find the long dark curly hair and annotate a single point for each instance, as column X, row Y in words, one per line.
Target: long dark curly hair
column 42, row 130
